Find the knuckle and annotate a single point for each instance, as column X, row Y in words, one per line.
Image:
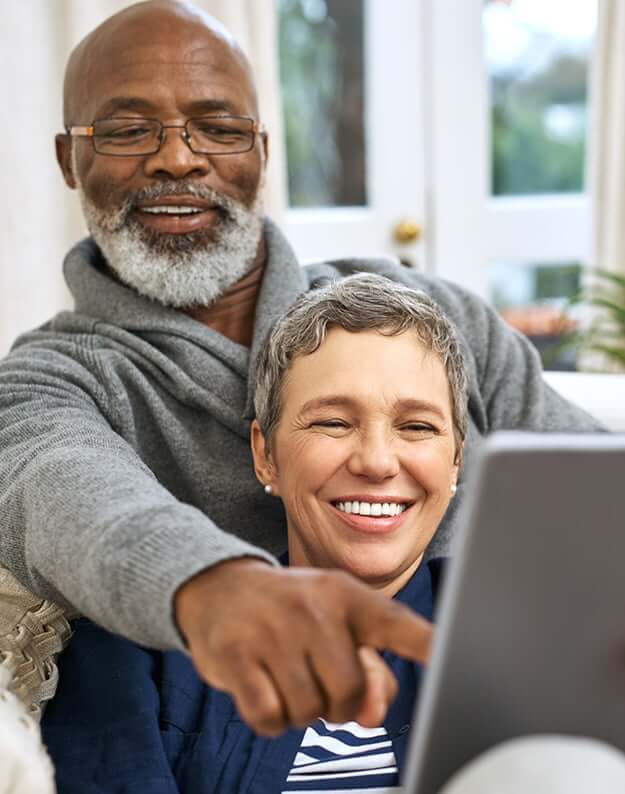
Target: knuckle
column 263, row 712
column 252, row 694
column 303, row 714
column 338, row 580
column 331, row 593
column 344, row 702
column 265, row 718
column 232, row 651
column 309, row 603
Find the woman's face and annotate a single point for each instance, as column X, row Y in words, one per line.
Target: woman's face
column 363, row 456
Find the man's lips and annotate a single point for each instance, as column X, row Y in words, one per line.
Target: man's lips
column 183, row 200
column 177, row 214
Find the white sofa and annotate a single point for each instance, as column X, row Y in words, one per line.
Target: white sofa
column 601, row 395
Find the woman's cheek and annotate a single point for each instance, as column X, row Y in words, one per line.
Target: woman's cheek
column 431, row 466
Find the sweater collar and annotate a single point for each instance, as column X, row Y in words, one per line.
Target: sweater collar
column 99, row 296
column 283, row 281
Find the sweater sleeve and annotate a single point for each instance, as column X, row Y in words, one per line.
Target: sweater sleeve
column 507, row 390
column 84, row 522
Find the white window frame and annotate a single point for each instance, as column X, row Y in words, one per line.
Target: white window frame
column 508, row 230
column 559, row 224
column 391, row 174
column 465, row 228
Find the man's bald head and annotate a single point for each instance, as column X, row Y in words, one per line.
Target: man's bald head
column 171, row 23
column 180, row 221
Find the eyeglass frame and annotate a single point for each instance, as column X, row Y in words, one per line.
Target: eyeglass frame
column 88, row 132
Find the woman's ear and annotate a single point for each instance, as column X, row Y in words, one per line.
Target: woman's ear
column 263, row 463
column 457, row 465
column 458, row 457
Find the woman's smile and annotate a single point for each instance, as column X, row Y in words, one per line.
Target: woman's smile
column 375, row 515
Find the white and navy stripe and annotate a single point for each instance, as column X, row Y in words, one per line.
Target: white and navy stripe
column 346, row 757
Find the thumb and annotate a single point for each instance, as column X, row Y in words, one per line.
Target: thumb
column 380, row 688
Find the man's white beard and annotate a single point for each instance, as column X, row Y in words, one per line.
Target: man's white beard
column 178, row 270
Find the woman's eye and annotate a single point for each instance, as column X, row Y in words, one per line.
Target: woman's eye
column 418, row 427
column 331, row 423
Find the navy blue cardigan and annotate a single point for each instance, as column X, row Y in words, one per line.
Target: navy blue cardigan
column 127, row 720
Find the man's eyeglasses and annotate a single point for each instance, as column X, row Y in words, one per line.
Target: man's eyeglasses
column 129, row 137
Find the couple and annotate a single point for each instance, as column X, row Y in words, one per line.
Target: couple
column 360, row 398
column 127, row 493
column 360, row 404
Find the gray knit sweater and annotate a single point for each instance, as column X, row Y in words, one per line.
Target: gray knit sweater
column 124, row 457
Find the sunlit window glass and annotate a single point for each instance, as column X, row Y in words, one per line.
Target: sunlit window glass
column 538, row 55
column 321, row 73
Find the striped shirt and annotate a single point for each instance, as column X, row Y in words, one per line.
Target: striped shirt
column 341, row 758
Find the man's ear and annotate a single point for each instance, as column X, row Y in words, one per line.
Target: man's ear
column 265, row 144
column 63, row 146
column 263, row 463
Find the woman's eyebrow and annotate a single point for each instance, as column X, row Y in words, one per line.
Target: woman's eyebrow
column 419, row 405
column 332, row 401
column 345, row 401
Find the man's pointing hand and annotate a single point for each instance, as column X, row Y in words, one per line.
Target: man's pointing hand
column 291, row 645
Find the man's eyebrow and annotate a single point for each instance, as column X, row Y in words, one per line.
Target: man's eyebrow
column 139, row 105
column 128, row 103
column 208, row 106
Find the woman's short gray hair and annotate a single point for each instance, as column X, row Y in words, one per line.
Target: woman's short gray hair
column 362, row 302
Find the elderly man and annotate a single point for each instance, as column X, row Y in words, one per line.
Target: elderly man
column 126, row 485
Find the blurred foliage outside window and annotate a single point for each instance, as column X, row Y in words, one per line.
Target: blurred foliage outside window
column 537, row 53
column 322, row 78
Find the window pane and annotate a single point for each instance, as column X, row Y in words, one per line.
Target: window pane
column 534, row 299
column 321, row 72
column 538, row 53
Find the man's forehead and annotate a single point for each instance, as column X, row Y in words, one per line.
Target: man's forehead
column 193, row 59
column 197, row 51
column 131, row 47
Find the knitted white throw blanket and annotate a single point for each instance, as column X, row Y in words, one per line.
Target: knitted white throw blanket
column 32, row 634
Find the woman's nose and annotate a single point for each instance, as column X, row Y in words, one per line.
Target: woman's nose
column 374, row 457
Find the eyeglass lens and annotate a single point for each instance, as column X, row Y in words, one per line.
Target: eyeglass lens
column 208, row 135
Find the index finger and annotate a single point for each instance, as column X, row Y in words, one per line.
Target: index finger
column 391, row 626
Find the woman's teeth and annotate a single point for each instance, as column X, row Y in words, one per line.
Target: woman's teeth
column 371, row 508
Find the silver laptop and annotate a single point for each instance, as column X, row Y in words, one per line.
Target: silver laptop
column 531, row 625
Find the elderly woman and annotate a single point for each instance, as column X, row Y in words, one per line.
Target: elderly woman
column 360, row 401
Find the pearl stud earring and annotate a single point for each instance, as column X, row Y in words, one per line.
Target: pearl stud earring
column 454, row 488
column 268, row 490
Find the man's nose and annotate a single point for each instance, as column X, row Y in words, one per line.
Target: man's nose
column 374, row 457
column 175, row 160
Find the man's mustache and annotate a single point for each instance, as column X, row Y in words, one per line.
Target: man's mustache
column 223, row 204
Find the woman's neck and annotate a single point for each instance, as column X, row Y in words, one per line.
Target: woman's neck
column 388, row 586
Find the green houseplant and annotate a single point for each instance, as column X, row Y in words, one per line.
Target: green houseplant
column 605, row 334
